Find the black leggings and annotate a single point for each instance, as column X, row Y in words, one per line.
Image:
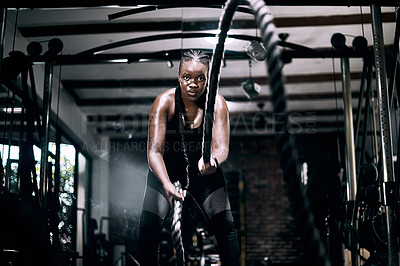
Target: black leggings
column 211, row 197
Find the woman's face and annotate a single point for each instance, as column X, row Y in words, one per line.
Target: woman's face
column 193, row 79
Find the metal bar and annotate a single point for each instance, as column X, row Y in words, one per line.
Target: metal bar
column 57, row 163
column 10, row 137
column 359, row 109
column 28, row 171
column 3, row 17
column 47, row 90
column 367, row 113
column 159, row 37
column 154, row 8
column 394, row 59
column 183, row 3
column 34, row 104
column 83, row 210
column 75, row 204
column 349, row 130
column 383, row 99
column 22, row 131
column 56, row 190
column 113, row 58
column 394, row 85
column 396, row 42
column 350, row 152
column 242, row 211
column 385, row 127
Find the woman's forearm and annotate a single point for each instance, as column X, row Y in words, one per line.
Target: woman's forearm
column 157, row 166
column 221, row 154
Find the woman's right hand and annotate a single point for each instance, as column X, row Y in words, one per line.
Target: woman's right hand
column 172, row 194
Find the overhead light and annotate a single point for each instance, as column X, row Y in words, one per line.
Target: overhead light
column 170, row 64
column 256, row 51
column 214, row 40
column 17, row 110
column 250, row 88
column 119, row 60
column 98, row 52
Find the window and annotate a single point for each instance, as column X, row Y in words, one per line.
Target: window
column 67, row 201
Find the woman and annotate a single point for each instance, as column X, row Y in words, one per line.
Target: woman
column 175, row 154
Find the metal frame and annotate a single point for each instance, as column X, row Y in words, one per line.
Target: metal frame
column 183, row 3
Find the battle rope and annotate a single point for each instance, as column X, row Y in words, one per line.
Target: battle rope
column 315, row 250
column 176, row 229
column 177, row 209
column 224, row 25
column 208, row 123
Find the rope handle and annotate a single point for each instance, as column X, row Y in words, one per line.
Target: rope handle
column 176, row 229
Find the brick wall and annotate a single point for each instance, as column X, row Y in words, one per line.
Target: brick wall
column 270, row 229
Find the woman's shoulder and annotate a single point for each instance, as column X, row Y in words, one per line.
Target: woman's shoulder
column 165, row 101
column 220, row 102
column 166, row 98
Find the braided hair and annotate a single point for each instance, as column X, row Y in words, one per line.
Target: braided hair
column 190, row 55
column 194, row 55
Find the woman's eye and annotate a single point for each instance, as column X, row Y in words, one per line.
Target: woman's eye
column 186, row 78
column 201, row 79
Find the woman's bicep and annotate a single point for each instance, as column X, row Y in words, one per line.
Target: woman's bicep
column 221, row 128
column 158, row 118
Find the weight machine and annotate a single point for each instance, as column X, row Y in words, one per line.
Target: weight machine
column 372, row 187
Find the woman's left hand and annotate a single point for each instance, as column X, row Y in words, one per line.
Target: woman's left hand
column 207, row 168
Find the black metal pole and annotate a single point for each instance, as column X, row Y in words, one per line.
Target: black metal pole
column 3, row 16
column 386, row 134
column 184, row 3
column 359, row 109
column 47, row 91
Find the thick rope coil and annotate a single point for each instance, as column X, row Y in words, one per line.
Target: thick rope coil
column 314, row 248
column 176, row 229
column 300, row 205
column 212, row 91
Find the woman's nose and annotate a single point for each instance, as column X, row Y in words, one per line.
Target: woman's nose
column 193, row 82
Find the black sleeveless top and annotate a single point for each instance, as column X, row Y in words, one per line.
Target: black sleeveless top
column 173, row 150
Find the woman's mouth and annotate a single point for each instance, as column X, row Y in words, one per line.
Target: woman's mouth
column 192, row 93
